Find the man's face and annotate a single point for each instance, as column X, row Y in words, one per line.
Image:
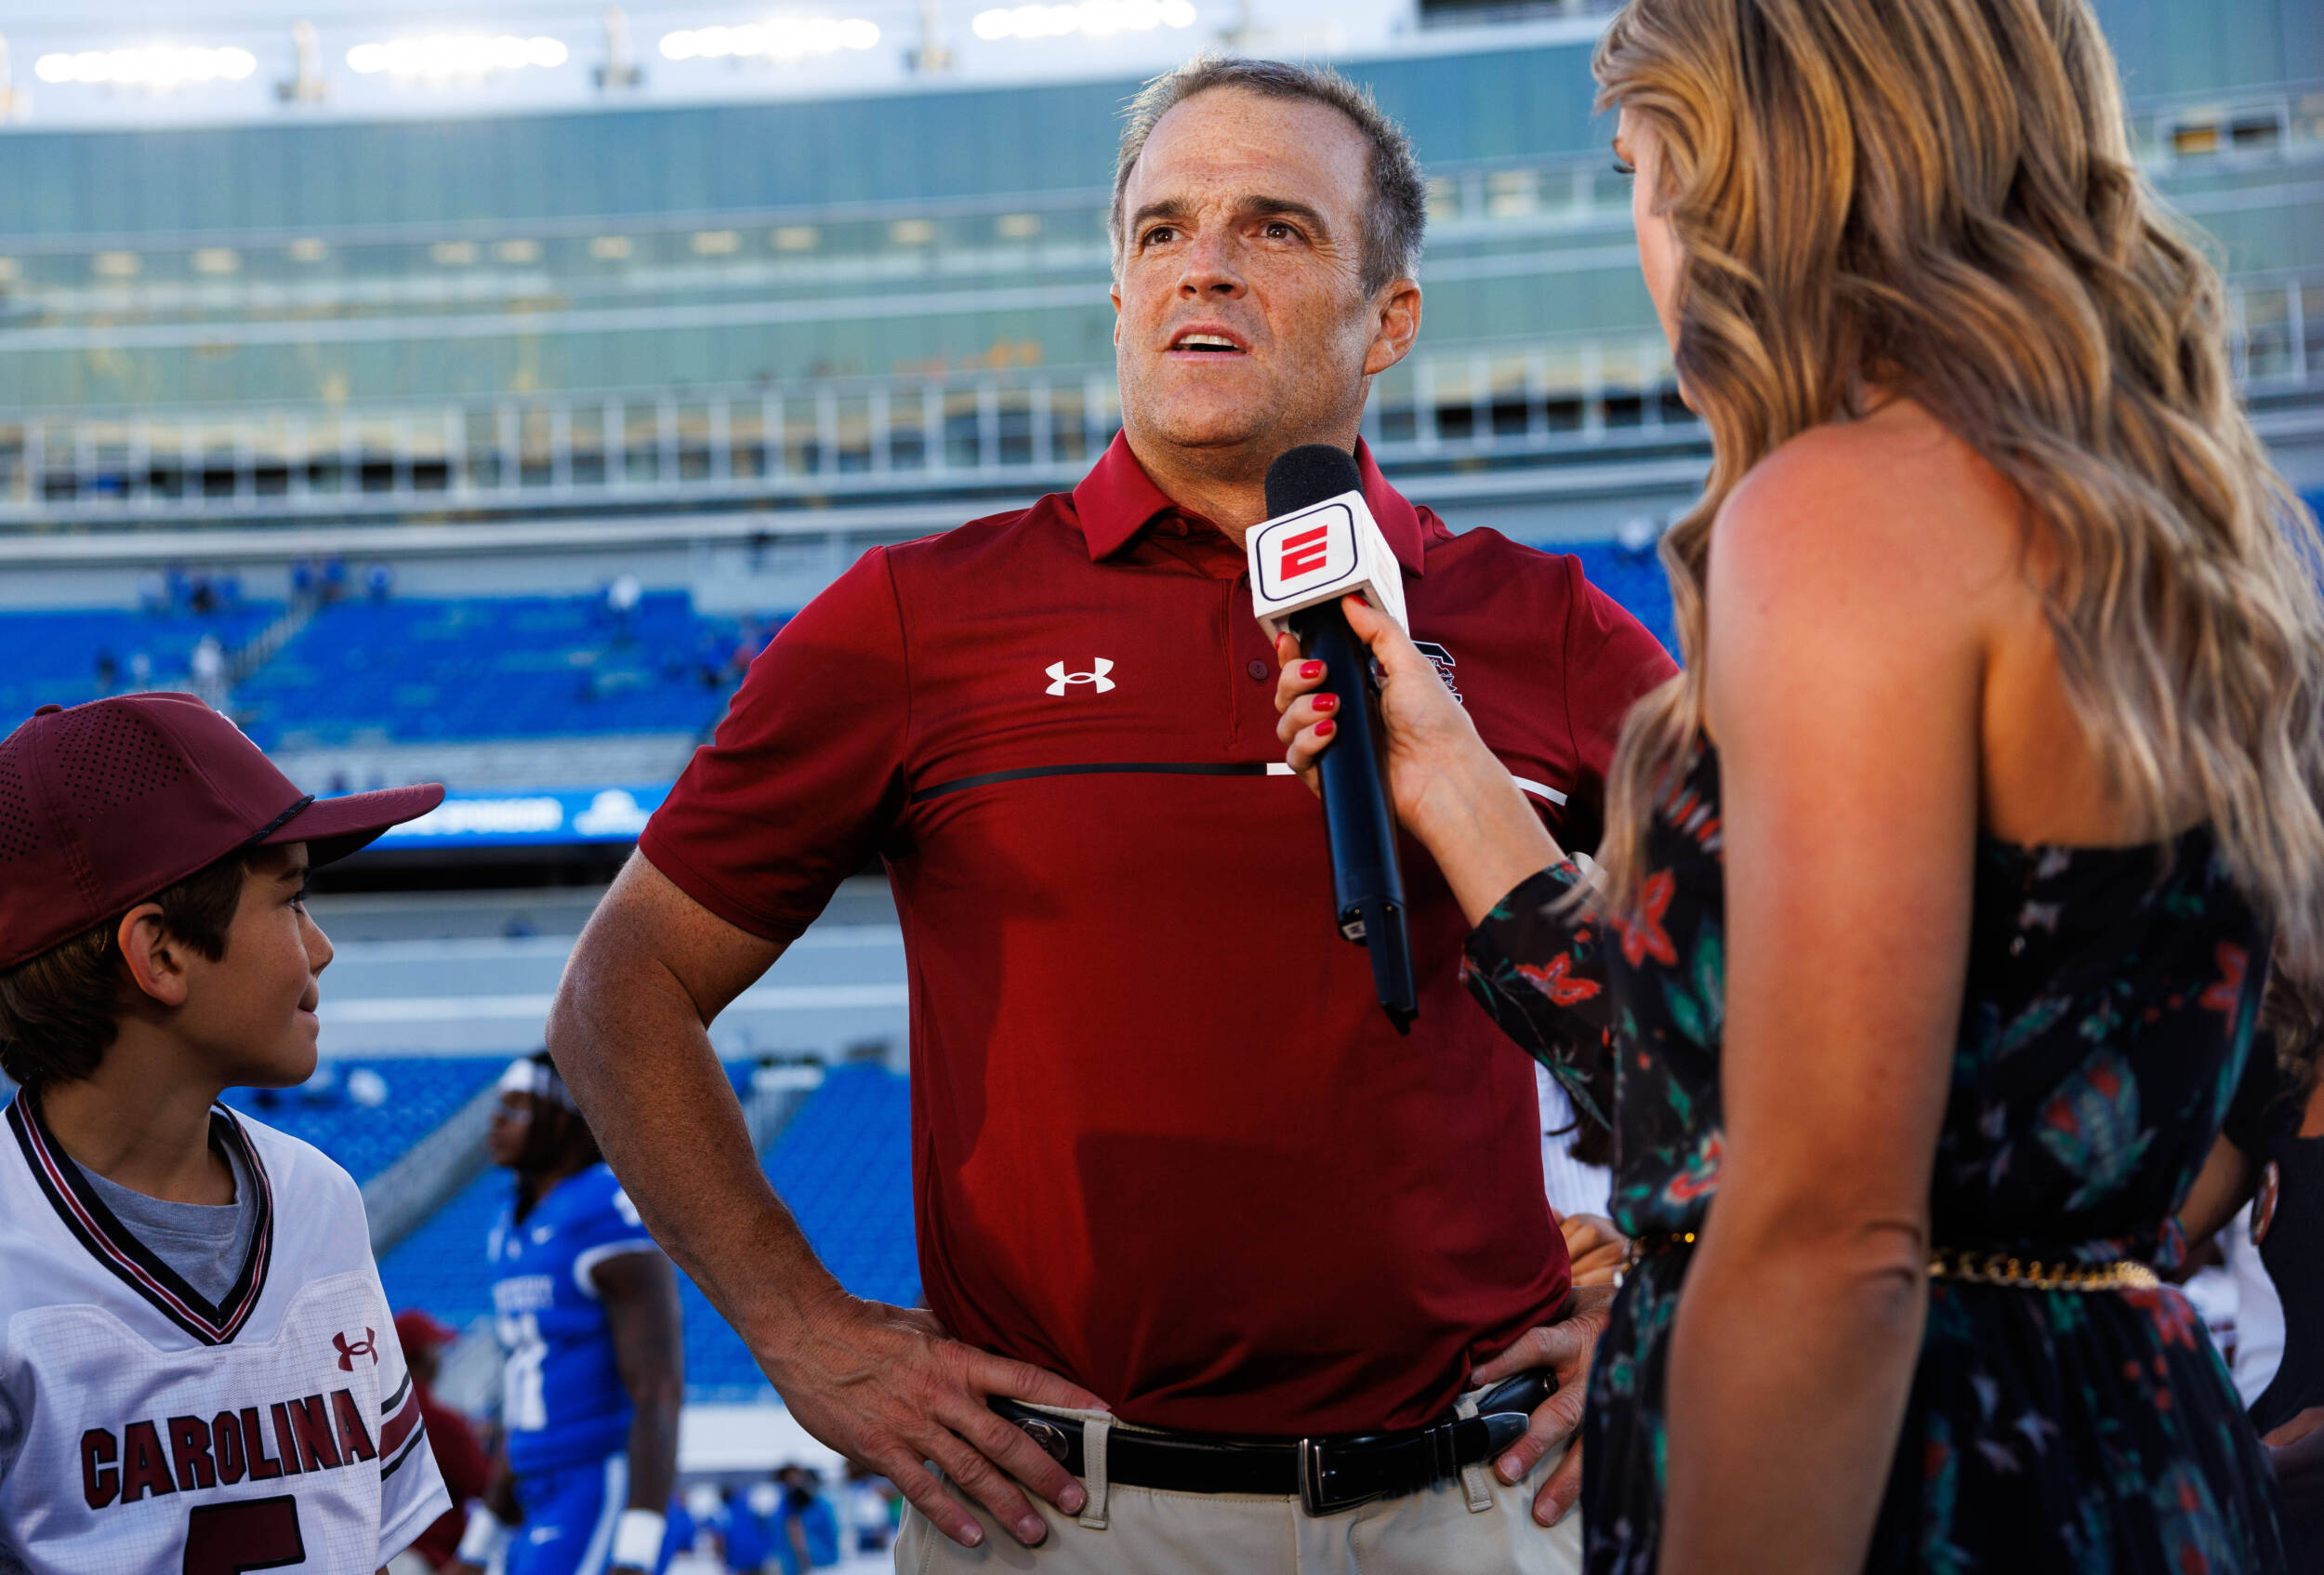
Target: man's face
column 1242, row 324
column 252, row 1010
column 512, row 1127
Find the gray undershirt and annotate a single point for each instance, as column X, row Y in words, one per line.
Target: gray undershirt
column 205, row 1243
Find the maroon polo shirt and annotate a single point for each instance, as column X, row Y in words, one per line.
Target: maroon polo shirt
column 1165, row 1142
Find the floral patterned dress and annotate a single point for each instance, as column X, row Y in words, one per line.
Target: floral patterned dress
column 2108, row 1009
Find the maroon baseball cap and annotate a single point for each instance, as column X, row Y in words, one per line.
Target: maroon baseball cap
column 105, row 804
column 416, row 1330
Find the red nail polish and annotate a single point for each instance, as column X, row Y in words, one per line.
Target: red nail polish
column 1311, row 669
column 1326, row 703
column 1326, row 728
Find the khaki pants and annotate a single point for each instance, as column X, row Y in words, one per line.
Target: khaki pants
column 1475, row 1525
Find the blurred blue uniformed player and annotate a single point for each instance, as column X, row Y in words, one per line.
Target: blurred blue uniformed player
column 806, row 1527
column 585, row 1308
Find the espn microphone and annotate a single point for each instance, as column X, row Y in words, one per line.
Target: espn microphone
column 1319, row 543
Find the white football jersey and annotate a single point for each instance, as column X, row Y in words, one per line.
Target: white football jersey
column 167, row 1435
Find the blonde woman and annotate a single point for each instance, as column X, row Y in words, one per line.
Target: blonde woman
column 1937, row 892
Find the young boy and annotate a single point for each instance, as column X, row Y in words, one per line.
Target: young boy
column 198, row 1371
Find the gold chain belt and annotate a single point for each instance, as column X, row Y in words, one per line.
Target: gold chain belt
column 1974, row 1268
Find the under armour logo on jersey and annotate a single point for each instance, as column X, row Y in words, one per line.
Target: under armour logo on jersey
column 1099, row 668
column 367, row 1346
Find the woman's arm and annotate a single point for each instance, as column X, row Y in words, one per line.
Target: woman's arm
column 1531, row 963
column 1844, row 669
column 1449, row 790
column 2221, row 1187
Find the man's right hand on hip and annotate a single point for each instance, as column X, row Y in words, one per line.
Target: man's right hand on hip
column 886, row 1386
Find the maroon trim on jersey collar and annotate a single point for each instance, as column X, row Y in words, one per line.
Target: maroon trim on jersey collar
column 111, row 1243
column 1118, row 499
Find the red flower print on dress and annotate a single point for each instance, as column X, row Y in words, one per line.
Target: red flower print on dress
column 1557, row 981
column 1644, row 936
column 1700, row 1177
column 2227, row 996
column 2173, row 1316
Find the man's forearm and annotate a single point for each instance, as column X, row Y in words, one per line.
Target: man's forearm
column 633, row 1049
column 654, row 1452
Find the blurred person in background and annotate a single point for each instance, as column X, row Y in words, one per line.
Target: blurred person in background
column 586, row 1308
column 806, row 1527
column 697, row 1525
column 2270, row 1156
column 1936, row 892
column 747, row 1525
column 871, row 1508
column 1576, row 1173
column 467, row 1468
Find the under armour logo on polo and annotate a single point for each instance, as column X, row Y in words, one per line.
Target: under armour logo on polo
column 367, row 1346
column 1061, row 679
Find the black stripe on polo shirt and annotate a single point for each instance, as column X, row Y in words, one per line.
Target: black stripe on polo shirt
column 1105, row 768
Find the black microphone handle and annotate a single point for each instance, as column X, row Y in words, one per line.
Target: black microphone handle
column 1367, row 883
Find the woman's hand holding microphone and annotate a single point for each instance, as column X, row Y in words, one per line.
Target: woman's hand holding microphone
column 1449, row 789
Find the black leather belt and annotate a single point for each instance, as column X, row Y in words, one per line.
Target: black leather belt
column 1328, row 1473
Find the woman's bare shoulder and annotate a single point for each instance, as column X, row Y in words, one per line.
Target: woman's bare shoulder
column 1893, row 507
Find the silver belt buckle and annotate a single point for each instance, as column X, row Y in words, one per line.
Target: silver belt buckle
column 1315, row 1498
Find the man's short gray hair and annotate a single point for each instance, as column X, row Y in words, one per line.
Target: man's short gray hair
column 1397, row 215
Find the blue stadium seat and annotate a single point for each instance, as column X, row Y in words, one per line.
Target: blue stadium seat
column 520, row 666
column 843, row 1163
column 439, row 1266
column 365, row 1114
column 51, row 654
column 1635, row 579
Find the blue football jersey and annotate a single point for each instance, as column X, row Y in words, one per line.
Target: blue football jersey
column 561, row 1395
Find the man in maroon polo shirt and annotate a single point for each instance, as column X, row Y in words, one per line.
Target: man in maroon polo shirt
column 1160, row 1195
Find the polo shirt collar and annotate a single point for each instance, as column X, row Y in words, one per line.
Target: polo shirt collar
column 1117, row 500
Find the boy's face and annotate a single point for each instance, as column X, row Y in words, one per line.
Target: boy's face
column 252, row 1012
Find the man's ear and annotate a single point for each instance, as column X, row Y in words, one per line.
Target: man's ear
column 1396, row 324
column 1115, row 294
column 156, row 959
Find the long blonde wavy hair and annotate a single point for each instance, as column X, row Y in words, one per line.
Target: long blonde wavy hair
column 1939, row 194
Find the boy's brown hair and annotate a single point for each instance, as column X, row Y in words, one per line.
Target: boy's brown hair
column 60, row 1009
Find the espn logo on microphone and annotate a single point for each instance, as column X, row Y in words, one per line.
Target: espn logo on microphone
column 1319, row 554
column 1306, row 552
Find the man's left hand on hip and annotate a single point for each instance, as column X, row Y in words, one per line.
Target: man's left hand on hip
column 1565, row 1348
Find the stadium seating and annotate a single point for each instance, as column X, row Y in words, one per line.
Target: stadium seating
column 365, row 1114
column 422, row 670
column 52, row 656
column 1633, row 578
column 440, row 1265
column 843, row 1164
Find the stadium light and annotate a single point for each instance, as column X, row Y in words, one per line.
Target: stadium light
column 455, row 57
column 159, row 66
column 783, row 38
column 1092, row 18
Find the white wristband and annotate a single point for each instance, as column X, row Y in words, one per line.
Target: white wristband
column 484, row 1537
column 637, row 1539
